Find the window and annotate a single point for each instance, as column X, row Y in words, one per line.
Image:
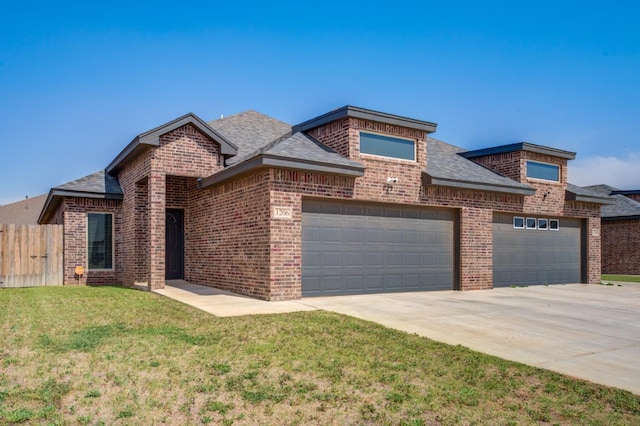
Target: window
column 518, row 222
column 100, row 240
column 554, row 224
column 531, row 223
column 543, row 224
column 543, row 171
column 387, row 146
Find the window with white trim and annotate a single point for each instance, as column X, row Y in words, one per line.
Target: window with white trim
column 99, row 241
column 543, row 171
column 554, row 224
column 387, row 146
column 518, row 222
column 531, row 223
column 543, row 224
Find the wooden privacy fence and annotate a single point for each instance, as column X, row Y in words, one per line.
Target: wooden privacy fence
column 31, row 255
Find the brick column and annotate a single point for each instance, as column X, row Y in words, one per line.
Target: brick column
column 476, row 249
column 156, row 220
column 593, row 255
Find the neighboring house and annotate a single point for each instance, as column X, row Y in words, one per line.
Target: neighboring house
column 25, row 212
column 352, row 201
column 620, row 231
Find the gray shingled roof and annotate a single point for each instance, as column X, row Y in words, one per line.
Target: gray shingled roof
column 96, row 185
column 445, row 165
column 23, row 212
column 249, row 131
column 304, row 147
column 99, row 182
column 622, row 206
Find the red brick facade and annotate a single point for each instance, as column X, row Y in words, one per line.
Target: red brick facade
column 234, row 240
column 621, row 247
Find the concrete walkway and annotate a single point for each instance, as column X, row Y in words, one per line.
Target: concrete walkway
column 586, row 331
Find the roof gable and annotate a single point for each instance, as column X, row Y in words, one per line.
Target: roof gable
column 152, row 138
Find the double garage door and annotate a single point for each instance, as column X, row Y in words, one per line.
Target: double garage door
column 356, row 248
column 525, row 253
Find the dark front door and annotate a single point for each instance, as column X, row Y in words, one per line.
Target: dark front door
column 174, row 259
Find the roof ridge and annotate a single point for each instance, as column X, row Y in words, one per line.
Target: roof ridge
column 245, row 112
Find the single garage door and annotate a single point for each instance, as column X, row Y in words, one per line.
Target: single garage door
column 536, row 250
column 356, row 248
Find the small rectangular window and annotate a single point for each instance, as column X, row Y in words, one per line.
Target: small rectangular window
column 543, row 224
column 518, row 222
column 531, row 223
column 387, row 146
column 554, row 224
column 99, row 241
column 543, row 171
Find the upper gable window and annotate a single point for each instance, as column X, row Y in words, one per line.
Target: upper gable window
column 543, row 171
column 387, row 146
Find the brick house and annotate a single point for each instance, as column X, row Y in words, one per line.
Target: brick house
column 352, row 201
column 620, row 231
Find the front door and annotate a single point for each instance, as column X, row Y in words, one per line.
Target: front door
column 174, row 248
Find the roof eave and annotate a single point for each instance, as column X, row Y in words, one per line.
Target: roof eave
column 626, row 192
column 520, row 146
column 367, row 114
column 477, row 186
column 571, row 196
column 612, row 218
column 266, row 160
column 56, row 194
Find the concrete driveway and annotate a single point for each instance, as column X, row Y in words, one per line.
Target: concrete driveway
column 586, row 331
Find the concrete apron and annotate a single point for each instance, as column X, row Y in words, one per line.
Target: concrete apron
column 586, row 331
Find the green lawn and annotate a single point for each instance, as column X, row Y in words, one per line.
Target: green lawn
column 80, row 355
column 625, row 278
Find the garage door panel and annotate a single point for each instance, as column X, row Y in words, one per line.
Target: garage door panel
column 374, row 236
column 331, row 259
column 331, row 235
column 375, row 248
column 352, row 235
column 354, row 282
column 392, row 236
column 412, row 259
column 531, row 256
column 393, row 259
column 374, row 283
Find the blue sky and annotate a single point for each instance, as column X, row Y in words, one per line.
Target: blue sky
column 79, row 80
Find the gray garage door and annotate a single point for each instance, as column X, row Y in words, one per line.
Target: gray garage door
column 354, row 248
column 546, row 250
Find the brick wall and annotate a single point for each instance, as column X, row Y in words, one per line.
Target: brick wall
column 230, row 245
column 621, row 247
column 75, row 240
column 476, row 248
column 135, row 232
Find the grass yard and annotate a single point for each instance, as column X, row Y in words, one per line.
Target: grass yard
column 79, row 355
column 624, row 278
